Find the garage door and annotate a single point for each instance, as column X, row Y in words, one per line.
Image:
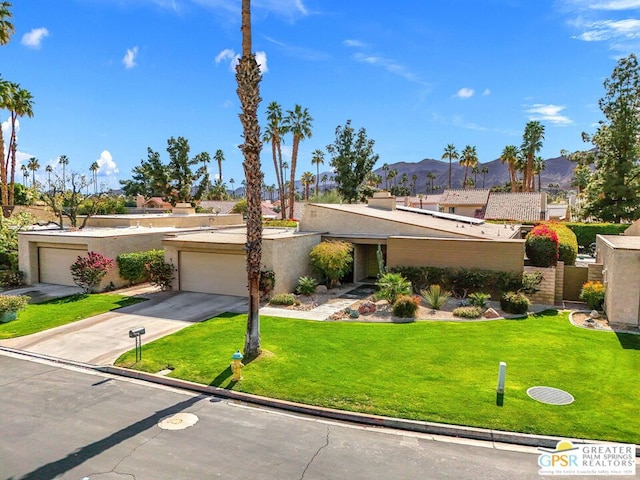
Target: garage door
column 220, row 273
column 54, row 264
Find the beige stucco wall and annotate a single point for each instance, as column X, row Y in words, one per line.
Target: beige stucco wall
column 621, row 271
column 161, row 220
column 289, row 259
column 319, row 219
column 504, row 255
column 634, row 229
column 550, row 290
column 287, row 256
column 110, row 247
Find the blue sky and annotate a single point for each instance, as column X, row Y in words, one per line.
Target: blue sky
column 113, row 77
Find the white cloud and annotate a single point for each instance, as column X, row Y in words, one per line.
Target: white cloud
column 486, row 92
column 616, row 5
column 389, row 65
column 465, row 93
column 106, row 165
column 129, row 59
column 34, row 38
column 609, row 29
column 353, row 43
column 229, row 55
column 548, row 113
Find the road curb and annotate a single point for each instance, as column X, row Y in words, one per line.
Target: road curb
column 459, row 431
column 433, row 428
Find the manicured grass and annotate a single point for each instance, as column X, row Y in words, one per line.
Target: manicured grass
column 435, row 371
column 43, row 316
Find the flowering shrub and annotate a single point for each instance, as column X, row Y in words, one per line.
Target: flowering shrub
column 160, row 274
column 406, row 306
column 593, row 294
column 567, row 242
column 88, row 272
column 541, row 246
column 13, row 303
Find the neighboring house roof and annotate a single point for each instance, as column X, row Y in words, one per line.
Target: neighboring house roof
column 469, row 197
column 389, row 223
column 519, row 206
column 218, row 206
column 157, row 201
column 558, row 211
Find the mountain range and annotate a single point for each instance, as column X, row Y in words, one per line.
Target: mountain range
column 557, row 170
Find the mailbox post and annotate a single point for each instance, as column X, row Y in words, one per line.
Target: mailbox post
column 137, row 334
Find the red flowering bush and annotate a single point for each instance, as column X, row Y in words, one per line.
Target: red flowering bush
column 87, row 272
column 541, row 246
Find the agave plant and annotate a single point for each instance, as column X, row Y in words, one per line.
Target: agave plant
column 435, row 296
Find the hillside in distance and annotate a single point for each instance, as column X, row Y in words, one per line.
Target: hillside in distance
column 558, row 170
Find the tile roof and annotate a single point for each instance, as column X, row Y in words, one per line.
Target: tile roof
column 471, row 196
column 520, row 206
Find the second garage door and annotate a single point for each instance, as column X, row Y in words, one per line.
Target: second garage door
column 220, row 273
column 55, row 264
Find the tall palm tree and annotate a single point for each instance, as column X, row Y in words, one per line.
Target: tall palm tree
column 475, row 171
column 385, row 169
column 33, row 165
column 273, row 134
column 233, row 189
column 20, row 105
column 414, row 180
column 509, row 155
column 6, row 27
column 219, row 158
column 317, row 159
column 307, row 179
column 25, row 174
column 531, row 145
column 484, row 170
column 49, row 169
column 325, row 177
column 451, row 154
column 468, row 158
column 5, row 96
column 64, row 161
column 248, row 78
column 431, row 176
column 94, row 175
column 285, row 169
column 298, row 123
column 539, row 166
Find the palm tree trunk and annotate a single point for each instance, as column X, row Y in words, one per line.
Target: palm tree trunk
column 248, row 79
column 294, row 159
column 4, row 194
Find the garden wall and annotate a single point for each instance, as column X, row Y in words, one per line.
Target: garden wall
column 552, row 284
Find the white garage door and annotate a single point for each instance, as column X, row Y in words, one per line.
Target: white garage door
column 54, row 264
column 220, row 273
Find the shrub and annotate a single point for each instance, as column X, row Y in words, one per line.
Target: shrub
column 465, row 279
column 479, row 299
column 435, row 296
column 586, row 232
column 391, row 285
column 366, row 308
column 530, row 282
column 160, row 273
column 332, row 259
column 284, row 299
column 306, row 286
column 88, row 272
column 468, row 312
column 280, row 223
column 267, row 283
column 240, row 207
column 514, row 302
column 567, row 242
column 406, row 306
column 13, row 303
column 593, row 294
column 131, row 265
column 541, row 246
column 11, row 278
column 418, row 276
column 506, row 281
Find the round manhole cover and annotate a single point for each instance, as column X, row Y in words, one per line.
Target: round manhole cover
column 550, row 395
column 179, row 421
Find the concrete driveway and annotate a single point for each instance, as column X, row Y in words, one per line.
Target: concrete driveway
column 101, row 339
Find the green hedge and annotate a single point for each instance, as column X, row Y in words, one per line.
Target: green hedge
column 586, row 232
column 131, row 265
column 280, row 223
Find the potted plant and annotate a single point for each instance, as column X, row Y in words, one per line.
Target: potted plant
column 10, row 305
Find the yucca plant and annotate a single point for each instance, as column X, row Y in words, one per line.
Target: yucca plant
column 435, row 296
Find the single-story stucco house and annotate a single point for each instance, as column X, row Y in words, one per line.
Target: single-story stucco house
column 46, row 256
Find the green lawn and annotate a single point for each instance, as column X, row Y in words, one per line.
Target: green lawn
column 435, row 371
column 42, row 316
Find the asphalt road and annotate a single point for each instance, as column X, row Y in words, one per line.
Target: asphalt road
column 62, row 422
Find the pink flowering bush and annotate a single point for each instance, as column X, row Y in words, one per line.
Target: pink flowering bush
column 88, row 272
column 542, row 246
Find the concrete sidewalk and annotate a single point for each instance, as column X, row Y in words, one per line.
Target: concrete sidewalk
column 101, row 339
